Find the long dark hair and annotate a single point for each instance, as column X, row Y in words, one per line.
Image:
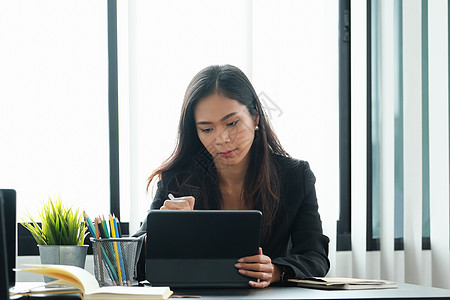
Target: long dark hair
column 261, row 187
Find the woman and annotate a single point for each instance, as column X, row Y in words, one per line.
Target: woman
column 228, row 157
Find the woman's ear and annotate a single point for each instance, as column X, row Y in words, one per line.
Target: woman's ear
column 256, row 120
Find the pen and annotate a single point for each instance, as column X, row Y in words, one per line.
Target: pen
column 109, row 270
column 91, row 228
column 118, row 229
column 99, row 252
column 103, row 235
column 173, row 199
column 101, row 229
column 110, row 267
column 123, row 258
column 109, row 245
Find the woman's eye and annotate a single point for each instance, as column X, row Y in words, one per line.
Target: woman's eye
column 232, row 123
column 206, row 130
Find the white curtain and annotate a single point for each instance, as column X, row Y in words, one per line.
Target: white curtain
column 412, row 35
column 438, row 65
column 413, row 118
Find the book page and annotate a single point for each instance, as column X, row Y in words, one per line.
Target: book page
column 88, row 285
column 39, row 288
column 131, row 292
column 69, row 275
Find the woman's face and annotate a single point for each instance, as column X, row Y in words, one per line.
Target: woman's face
column 226, row 129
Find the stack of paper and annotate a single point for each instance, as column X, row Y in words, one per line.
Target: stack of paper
column 343, row 283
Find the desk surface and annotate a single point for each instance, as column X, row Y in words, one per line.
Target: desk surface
column 404, row 291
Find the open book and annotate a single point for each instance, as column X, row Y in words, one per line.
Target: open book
column 85, row 283
column 343, row 283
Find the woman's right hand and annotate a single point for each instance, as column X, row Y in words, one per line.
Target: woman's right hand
column 181, row 203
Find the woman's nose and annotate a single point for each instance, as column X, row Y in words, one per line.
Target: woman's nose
column 222, row 137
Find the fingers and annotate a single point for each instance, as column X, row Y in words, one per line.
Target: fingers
column 260, row 284
column 259, row 267
column 260, row 258
column 252, row 268
column 175, row 205
column 261, row 275
column 263, row 278
column 191, row 201
column 181, row 203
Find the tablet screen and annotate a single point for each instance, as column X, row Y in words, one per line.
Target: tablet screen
column 9, row 210
column 203, row 233
column 4, row 286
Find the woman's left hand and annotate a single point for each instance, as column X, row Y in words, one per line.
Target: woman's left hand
column 260, row 267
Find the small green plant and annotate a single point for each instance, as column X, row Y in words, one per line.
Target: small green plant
column 61, row 225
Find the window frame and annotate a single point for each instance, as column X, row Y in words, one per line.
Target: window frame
column 344, row 222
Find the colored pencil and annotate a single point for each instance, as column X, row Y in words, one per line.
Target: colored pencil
column 89, row 223
column 105, row 225
column 122, row 267
column 106, row 252
column 116, row 251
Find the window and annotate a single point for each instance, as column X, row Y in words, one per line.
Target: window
column 288, row 49
column 53, row 107
column 54, row 91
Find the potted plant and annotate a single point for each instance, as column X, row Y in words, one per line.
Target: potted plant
column 61, row 236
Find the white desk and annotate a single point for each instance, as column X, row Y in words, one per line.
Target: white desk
column 404, row 291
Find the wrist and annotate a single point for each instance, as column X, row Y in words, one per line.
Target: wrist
column 282, row 273
column 276, row 273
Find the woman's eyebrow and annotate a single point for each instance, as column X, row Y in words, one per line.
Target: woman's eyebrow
column 224, row 118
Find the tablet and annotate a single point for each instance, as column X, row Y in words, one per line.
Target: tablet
column 9, row 211
column 4, row 282
column 199, row 248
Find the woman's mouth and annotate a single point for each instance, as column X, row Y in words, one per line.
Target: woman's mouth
column 227, row 153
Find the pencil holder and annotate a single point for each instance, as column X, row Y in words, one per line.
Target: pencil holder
column 115, row 260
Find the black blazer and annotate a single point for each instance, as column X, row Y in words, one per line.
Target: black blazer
column 296, row 241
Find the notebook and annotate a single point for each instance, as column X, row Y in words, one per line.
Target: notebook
column 199, row 248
